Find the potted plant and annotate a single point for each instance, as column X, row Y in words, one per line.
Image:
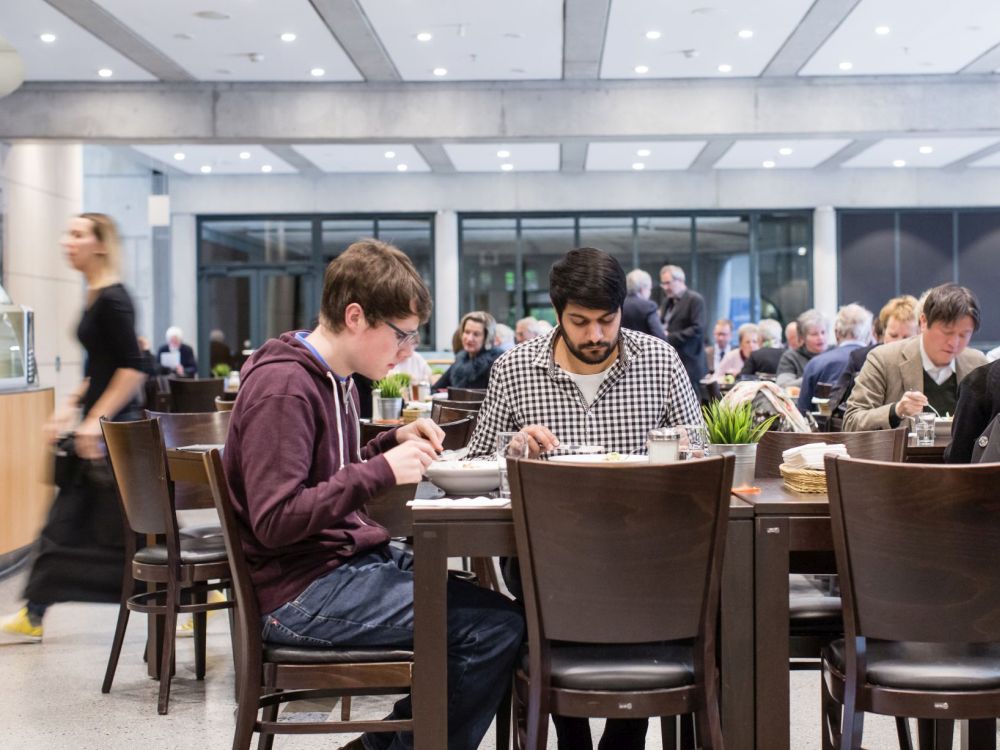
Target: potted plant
column 391, row 388
column 731, row 429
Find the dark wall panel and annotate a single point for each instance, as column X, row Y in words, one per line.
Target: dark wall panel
column 979, row 266
column 926, row 258
column 867, row 258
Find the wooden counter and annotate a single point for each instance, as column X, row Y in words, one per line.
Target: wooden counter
column 25, row 469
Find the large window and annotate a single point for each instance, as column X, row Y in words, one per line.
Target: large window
column 747, row 265
column 259, row 276
column 885, row 252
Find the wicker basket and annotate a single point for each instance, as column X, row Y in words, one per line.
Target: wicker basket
column 803, row 480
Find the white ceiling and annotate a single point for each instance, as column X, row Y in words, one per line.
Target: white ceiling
column 372, row 43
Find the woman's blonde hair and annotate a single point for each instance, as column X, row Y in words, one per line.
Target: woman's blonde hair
column 106, row 232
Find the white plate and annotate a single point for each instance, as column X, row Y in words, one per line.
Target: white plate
column 461, row 477
column 597, row 458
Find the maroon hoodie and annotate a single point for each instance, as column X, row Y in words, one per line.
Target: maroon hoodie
column 296, row 475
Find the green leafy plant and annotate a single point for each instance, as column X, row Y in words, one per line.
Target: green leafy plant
column 221, row 370
column 730, row 424
column 404, row 379
column 391, row 386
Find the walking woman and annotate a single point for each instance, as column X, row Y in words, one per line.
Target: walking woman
column 80, row 553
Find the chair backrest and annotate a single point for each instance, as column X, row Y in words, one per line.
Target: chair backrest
column 247, row 614
column 371, row 430
column 192, row 427
column 918, row 549
column 442, row 403
column 466, row 394
column 875, row 445
column 457, row 434
column 442, row 414
column 139, row 463
column 190, row 394
column 620, row 554
column 224, row 404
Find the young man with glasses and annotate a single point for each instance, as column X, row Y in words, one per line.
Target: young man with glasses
column 323, row 572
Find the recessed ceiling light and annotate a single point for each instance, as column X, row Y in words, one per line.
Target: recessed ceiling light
column 846, row 65
column 105, row 73
column 47, row 38
column 640, row 69
column 180, row 156
column 785, row 151
column 507, row 167
column 503, row 154
column 638, row 166
column 653, row 34
column 899, row 163
column 440, row 72
column 244, row 154
column 390, row 154
column 205, row 169
column 768, row 164
column 401, row 167
column 317, row 72
column 424, row 36
column 745, row 33
column 926, row 149
column 725, row 68
column 643, row 152
column 288, row 37
column 265, row 168
column 882, row 30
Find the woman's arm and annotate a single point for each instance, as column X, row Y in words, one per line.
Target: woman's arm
column 124, row 386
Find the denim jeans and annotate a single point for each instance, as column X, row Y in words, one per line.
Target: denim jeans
column 368, row 601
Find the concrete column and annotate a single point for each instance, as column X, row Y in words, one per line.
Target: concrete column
column 446, row 312
column 825, row 287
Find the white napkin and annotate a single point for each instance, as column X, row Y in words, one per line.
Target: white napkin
column 462, row 502
column 810, row 456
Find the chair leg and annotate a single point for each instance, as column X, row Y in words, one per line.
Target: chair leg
column 668, row 732
column 709, row 728
column 345, row 708
column 903, row 733
column 116, row 645
column 169, row 639
column 200, row 622
column 688, row 731
column 247, row 705
column 269, row 713
column 537, row 734
column 830, row 715
column 853, row 721
column 935, row 734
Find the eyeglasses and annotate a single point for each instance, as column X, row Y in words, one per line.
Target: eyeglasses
column 404, row 338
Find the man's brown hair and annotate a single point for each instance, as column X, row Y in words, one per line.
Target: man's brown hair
column 377, row 276
column 950, row 302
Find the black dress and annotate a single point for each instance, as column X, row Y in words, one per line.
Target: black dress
column 80, row 553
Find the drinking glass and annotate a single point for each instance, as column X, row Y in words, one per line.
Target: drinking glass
column 924, row 427
column 509, row 445
column 693, row 442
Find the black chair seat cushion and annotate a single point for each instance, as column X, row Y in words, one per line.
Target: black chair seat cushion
column 198, row 531
column 642, row 666
column 811, row 610
column 928, row 666
column 281, row 654
column 194, row 550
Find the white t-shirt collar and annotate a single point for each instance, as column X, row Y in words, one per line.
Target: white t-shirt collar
column 938, row 374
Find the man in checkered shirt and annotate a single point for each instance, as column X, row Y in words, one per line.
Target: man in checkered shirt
column 588, row 381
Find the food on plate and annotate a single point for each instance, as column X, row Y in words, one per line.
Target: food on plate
column 613, row 456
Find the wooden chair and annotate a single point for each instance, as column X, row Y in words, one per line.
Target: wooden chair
column 195, row 394
column 466, row 394
column 441, row 403
column 270, row 675
column 224, row 404
column 457, row 434
column 178, row 565
column 876, row 445
column 918, row 549
column 635, row 624
column 442, row 414
column 157, row 392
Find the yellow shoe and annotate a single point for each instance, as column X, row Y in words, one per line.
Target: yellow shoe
column 18, row 629
column 185, row 623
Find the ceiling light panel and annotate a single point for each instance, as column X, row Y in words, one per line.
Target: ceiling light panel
column 622, row 156
column 524, row 157
column 946, row 151
column 481, row 41
column 696, row 38
column 223, row 158
column 247, row 44
column 805, row 154
column 75, row 55
column 338, row 157
column 926, row 38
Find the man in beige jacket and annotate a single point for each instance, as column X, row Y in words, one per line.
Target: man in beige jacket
column 904, row 378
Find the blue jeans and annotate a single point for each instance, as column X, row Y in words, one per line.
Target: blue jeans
column 368, row 601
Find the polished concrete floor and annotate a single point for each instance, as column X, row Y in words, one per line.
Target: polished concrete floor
column 51, row 692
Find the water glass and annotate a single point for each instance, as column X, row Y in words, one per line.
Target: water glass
column 924, row 427
column 693, row 442
column 509, row 445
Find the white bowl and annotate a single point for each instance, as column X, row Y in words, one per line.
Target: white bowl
column 465, row 477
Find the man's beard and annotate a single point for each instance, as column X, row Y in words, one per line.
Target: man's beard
column 600, row 352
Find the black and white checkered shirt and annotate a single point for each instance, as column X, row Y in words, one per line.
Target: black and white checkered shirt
column 646, row 387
